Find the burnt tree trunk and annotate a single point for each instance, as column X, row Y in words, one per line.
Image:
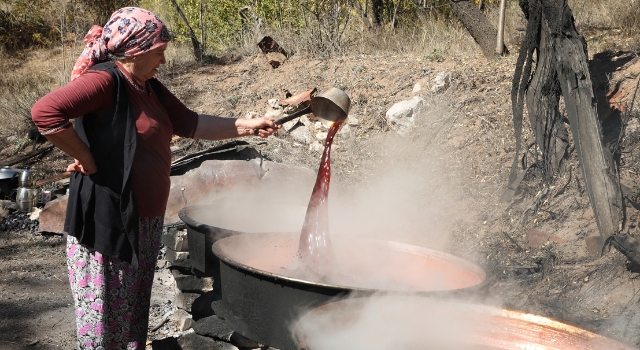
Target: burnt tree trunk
column 562, row 67
column 543, row 100
column 475, row 22
column 377, row 8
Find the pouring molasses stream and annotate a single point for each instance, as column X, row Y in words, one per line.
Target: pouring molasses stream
column 330, row 106
column 315, row 248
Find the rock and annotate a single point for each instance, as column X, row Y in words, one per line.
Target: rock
column 441, row 82
column 594, row 245
column 316, row 147
column 417, row 88
column 322, row 135
column 201, row 307
column 176, row 240
column 170, row 343
column 301, row 134
column 178, row 259
column 182, row 319
column 241, row 341
column 536, row 238
column 274, row 103
column 183, row 300
column 193, row 341
column 251, row 115
column 52, row 216
column 184, row 324
column 275, row 59
column 192, row 283
column 345, row 131
column 273, row 113
column 402, row 114
column 632, row 125
column 35, row 213
column 199, row 186
column 353, row 121
column 214, row 327
column 287, row 177
column 4, row 207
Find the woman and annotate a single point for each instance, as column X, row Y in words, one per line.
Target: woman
column 124, row 121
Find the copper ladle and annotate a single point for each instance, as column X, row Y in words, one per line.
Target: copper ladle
column 330, row 106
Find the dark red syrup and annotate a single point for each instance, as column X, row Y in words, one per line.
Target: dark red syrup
column 315, row 249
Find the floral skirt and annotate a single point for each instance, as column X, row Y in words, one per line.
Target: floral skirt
column 112, row 299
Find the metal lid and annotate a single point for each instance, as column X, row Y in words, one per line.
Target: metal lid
column 8, row 173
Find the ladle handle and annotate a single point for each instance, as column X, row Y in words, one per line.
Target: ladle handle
column 290, row 117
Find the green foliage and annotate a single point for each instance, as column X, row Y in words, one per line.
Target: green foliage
column 25, row 25
column 103, row 9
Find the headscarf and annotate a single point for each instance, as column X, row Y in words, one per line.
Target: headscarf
column 131, row 31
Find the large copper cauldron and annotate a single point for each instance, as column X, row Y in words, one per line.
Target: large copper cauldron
column 416, row 323
column 263, row 294
column 207, row 223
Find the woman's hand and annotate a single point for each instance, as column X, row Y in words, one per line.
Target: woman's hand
column 89, row 169
column 263, row 126
column 70, row 143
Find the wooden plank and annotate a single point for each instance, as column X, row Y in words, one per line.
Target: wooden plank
column 26, row 156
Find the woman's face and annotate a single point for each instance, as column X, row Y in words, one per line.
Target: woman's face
column 146, row 66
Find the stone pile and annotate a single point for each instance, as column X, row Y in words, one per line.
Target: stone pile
column 195, row 291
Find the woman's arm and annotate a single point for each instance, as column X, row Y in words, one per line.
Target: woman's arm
column 92, row 92
column 219, row 128
column 70, row 143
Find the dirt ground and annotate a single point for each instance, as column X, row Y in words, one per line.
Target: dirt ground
column 446, row 174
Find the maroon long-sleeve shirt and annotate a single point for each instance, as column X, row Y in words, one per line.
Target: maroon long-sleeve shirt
column 156, row 122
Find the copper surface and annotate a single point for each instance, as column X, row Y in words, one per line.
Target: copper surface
column 362, row 263
column 423, row 323
column 295, row 100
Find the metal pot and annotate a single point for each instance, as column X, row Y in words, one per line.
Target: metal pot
column 262, row 295
column 26, row 198
column 328, row 107
column 8, row 182
column 8, row 173
column 207, row 223
column 412, row 322
column 26, row 178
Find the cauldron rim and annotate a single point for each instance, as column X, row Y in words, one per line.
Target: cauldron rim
column 492, row 311
column 183, row 214
column 476, row 269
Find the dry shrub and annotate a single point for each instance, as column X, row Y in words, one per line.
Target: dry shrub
column 17, row 95
column 608, row 24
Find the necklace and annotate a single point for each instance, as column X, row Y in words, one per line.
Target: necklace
column 134, row 85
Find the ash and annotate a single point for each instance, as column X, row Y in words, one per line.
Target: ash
column 19, row 221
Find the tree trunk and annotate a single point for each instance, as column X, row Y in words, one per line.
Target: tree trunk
column 562, row 67
column 482, row 31
column 597, row 164
column 197, row 51
column 377, row 7
column 543, row 99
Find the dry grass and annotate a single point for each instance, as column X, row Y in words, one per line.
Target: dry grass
column 32, row 74
column 608, row 25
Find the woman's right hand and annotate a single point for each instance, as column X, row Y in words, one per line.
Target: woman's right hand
column 88, row 169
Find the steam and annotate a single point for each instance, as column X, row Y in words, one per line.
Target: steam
column 414, row 322
column 386, row 322
column 407, row 191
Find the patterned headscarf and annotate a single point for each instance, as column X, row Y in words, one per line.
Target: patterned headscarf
column 130, row 31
